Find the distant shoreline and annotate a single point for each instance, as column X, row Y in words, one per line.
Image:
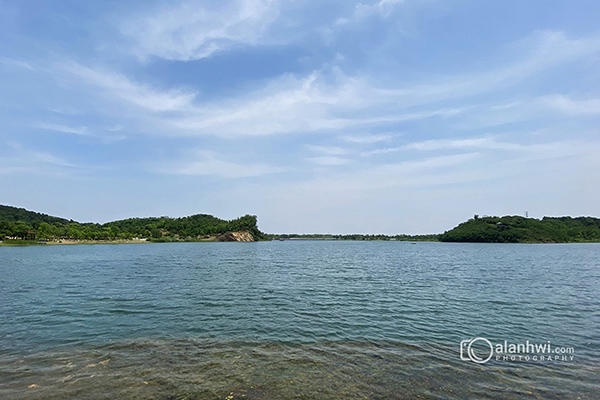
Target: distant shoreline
column 20, row 243
column 22, row 227
column 68, row 242
column 118, row 241
column 228, row 237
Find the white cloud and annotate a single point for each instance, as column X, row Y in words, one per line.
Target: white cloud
column 328, row 150
column 415, row 194
column 80, row 130
column 546, row 48
column 14, row 63
column 292, row 104
column 310, row 104
column 489, row 144
column 381, row 8
column 535, row 53
column 421, row 172
column 525, row 112
column 109, row 138
column 119, row 86
column 26, row 160
column 209, row 163
column 567, row 105
column 195, row 29
column 453, row 144
column 329, row 160
column 288, row 104
column 115, row 128
column 64, row 110
column 367, row 138
column 386, row 6
column 24, row 155
column 331, row 101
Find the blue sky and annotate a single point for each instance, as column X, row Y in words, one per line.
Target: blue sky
column 372, row 116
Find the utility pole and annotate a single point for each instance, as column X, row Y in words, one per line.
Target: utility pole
column 526, row 214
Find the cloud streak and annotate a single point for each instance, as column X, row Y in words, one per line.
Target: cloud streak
column 19, row 64
column 329, row 100
column 24, row 160
column 80, row 130
column 209, row 163
column 569, row 106
column 195, row 30
column 118, row 86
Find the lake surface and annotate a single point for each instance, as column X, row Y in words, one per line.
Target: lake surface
column 299, row 320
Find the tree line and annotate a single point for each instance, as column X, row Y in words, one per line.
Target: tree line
column 355, row 236
column 18, row 223
column 517, row 229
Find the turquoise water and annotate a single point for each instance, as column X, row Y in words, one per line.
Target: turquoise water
column 296, row 319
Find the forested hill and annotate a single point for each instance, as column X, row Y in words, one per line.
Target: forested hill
column 19, row 223
column 517, row 229
column 14, row 214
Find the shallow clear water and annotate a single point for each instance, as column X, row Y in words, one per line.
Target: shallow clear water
column 295, row 319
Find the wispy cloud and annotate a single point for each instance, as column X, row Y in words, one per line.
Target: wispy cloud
column 535, row 53
column 105, row 135
column 209, row 163
column 367, row 138
column 421, row 173
column 489, row 145
column 330, row 100
column 545, row 48
column 22, row 159
column 79, row 130
column 446, row 188
column 328, row 150
column 64, row 110
column 362, row 11
column 453, row 144
column 33, row 156
column 381, row 8
column 119, row 86
column 286, row 105
column 567, row 105
column 464, row 167
column 329, row 155
column 194, row 30
column 15, row 63
column 115, row 128
column 329, row 160
column 337, row 98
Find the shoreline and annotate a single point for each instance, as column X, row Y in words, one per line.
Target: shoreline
column 75, row 241
column 68, row 242
column 72, row 242
column 222, row 238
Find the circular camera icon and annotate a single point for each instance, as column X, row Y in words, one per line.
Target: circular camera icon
column 479, row 350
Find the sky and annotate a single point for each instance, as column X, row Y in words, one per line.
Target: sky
column 329, row 116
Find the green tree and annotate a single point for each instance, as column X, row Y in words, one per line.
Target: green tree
column 21, row 230
column 46, row 231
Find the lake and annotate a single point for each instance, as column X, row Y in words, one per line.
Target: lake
column 300, row 320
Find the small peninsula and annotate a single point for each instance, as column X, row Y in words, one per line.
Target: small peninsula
column 18, row 225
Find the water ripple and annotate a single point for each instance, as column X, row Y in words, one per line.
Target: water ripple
column 401, row 310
